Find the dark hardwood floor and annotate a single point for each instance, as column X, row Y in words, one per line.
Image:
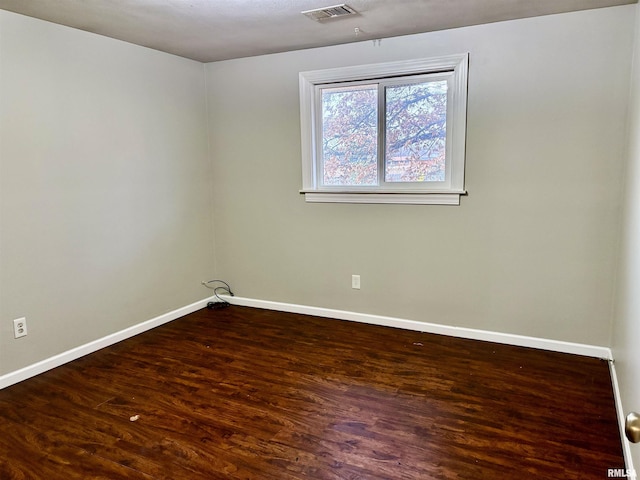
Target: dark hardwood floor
column 245, row 393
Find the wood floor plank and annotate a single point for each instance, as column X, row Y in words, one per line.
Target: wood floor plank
column 245, row 393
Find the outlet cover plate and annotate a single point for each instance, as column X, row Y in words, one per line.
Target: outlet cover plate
column 20, row 327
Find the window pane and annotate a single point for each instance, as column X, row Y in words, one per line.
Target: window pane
column 416, row 132
column 349, row 135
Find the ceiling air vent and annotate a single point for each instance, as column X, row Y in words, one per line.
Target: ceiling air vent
column 325, row 13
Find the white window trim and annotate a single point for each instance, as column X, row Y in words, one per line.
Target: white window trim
column 458, row 64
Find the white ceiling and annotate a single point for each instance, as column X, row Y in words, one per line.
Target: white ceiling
column 211, row 30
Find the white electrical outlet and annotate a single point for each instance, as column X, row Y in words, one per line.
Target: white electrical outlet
column 355, row 282
column 20, row 327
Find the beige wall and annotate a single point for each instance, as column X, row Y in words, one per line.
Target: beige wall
column 625, row 347
column 107, row 190
column 105, row 187
column 530, row 251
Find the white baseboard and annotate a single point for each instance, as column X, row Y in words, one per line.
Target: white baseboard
column 87, row 348
column 461, row 332
column 489, row 336
column 626, row 446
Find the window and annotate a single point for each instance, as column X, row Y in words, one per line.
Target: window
column 385, row 133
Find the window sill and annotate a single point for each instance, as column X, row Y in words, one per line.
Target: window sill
column 450, row 198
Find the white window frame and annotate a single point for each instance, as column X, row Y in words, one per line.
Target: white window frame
column 453, row 67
